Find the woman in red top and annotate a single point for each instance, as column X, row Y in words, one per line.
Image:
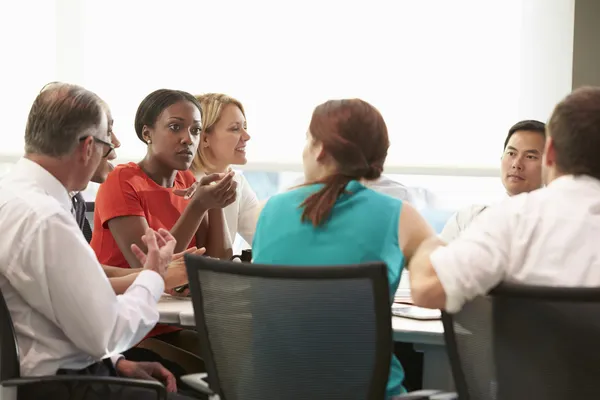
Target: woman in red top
column 149, row 194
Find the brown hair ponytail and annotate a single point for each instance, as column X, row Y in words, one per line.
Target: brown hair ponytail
column 318, row 206
column 354, row 135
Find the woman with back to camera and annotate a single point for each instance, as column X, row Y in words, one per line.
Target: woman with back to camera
column 222, row 144
column 346, row 145
column 149, row 194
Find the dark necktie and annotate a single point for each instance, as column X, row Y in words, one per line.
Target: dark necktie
column 86, row 229
column 79, row 210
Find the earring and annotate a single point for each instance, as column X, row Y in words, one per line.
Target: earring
column 149, row 141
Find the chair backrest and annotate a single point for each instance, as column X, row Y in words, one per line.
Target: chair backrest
column 468, row 336
column 546, row 342
column 9, row 351
column 292, row 332
column 526, row 342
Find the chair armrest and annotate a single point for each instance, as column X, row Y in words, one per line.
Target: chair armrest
column 416, row 395
column 426, row 395
column 161, row 392
column 197, row 382
column 444, row 396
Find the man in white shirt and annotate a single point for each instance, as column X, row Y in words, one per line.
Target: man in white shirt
column 521, row 171
column 66, row 315
column 545, row 237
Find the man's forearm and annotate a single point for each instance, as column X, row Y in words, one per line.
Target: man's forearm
column 116, row 272
column 426, row 289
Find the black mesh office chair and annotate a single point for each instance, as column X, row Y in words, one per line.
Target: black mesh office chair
column 71, row 387
column 468, row 337
column 273, row 332
column 542, row 343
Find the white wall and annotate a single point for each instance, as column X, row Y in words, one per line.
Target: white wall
column 28, row 53
column 546, row 58
column 449, row 82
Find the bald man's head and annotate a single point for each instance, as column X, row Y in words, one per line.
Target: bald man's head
column 59, row 116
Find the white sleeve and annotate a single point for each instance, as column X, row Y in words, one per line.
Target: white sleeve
column 248, row 214
column 477, row 260
column 459, row 222
column 451, row 229
column 82, row 301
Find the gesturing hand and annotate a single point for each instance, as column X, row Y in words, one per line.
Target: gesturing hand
column 176, row 272
column 187, row 193
column 213, row 191
column 160, row 247
column 147, row 371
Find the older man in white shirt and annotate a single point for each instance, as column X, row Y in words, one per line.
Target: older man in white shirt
column 545, row 237
column 66, row 315
column 520, row 169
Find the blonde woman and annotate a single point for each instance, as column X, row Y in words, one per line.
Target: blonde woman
column 222, row 144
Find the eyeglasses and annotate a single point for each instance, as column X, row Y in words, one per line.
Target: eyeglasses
column 111, row 146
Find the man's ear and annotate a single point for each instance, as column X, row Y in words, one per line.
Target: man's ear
column 549, row 153
column 86, row 149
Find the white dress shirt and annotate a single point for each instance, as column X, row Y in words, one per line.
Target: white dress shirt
column 241, row 215
column 64, row 310
column 459, row 221
column 547, row 237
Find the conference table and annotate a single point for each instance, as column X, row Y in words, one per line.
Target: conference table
column 426, row 336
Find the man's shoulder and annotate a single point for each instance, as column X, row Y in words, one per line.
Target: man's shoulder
column 21, row 212
column 465, row 215
column 460, row 220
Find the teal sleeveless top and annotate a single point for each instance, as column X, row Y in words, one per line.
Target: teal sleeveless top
column 363, row 227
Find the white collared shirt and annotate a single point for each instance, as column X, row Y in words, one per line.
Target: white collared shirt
column 546, row 237
column 64, row 310
column 459, row 221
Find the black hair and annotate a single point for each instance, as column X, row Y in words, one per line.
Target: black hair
column 526, row 125
column 155, row 103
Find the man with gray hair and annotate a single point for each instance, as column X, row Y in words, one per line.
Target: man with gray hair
column 67, row 317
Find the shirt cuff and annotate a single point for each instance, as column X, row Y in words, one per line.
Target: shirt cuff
column 440, row 261
column 116, row 358
column 152, row 281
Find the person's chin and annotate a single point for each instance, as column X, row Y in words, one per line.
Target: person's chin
column 516, row 188
column 99, row 178
column 182, row 166
column 240, row 159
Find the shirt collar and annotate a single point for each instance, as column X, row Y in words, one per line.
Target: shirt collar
column 31, row 170
column 572, row 180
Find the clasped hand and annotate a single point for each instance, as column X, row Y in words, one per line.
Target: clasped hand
column 212, row 191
